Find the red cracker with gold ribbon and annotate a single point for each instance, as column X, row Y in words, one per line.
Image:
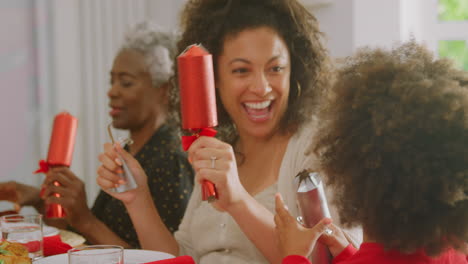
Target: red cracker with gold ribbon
column 198, row 101
column 62, row 142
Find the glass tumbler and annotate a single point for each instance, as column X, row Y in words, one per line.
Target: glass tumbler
column 26, row 230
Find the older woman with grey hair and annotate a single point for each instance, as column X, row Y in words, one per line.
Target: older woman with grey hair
column 138, row 101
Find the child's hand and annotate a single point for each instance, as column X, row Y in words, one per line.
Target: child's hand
column 335, row 240
column 294, row 239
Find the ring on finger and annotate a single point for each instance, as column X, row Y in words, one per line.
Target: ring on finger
column 213, row 162
column 300, row 220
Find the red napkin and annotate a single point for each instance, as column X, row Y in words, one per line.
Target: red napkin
column 178, row 260
column 53, row 245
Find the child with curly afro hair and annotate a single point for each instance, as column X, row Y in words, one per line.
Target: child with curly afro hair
column 393, row 142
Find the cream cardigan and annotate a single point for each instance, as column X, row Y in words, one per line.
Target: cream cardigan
column 213, row 237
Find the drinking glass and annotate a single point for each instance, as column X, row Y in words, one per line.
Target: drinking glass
column 126, row 175
column 96, row 254
column 26, row 230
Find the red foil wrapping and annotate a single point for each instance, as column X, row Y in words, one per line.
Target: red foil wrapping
column 197, row 99
column 62, row 142
column 197, row 90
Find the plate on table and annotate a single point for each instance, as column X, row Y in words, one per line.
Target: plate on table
column 9, row 212
column 71, row 238
column 131, row 256
column 49, row 231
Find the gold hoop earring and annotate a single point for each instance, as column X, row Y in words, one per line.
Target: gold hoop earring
column 298, row 84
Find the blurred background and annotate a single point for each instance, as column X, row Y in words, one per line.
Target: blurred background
column 55, row 55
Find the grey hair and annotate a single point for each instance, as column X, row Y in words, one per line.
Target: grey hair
column 157, row 45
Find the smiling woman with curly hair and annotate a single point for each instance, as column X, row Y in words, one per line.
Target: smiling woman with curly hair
column 214, row 22
column 393, row 143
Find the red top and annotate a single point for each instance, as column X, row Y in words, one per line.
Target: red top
column 373, row 253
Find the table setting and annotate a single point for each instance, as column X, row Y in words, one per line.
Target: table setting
column 44, row 244
column 111, row 255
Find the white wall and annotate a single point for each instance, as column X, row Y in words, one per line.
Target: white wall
column 376, row 22
column 350, row 24
column 19, row 100
column 336, row 21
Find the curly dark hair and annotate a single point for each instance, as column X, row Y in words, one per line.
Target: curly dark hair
column 211, row 22
column 393, row 142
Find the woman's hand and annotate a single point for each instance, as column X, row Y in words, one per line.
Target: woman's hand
column 72, row 195
column 19, row 194
column 111, row 166
column 214, row 160
column 293, row 238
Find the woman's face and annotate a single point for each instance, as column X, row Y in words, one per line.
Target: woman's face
column 253, row 80
column 132, row 98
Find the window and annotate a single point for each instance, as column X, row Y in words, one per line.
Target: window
column 452, row 10
column 456, row 50
column 447, row 30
